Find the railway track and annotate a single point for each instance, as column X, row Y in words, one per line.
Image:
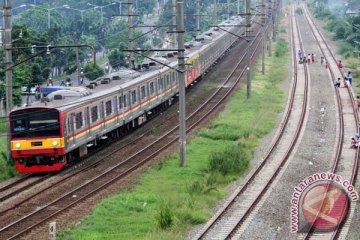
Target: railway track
column 63, row 203
column 348, row 117
column 229, row 221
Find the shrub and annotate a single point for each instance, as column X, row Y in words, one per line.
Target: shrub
column 281, row 48
column 165, row 216
column 234, row 159
column 299, row 11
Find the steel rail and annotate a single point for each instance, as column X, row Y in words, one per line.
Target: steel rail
column 263, row 163
column 114, row 168
column 288, row 151
column 314, row 28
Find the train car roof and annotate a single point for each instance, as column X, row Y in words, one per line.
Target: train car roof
column 114, row 86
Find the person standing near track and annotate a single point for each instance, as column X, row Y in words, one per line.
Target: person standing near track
column 357, row 102
column 309, row 58
column 340, row 65
column 349, row 77
column 337, row 83
column 300, row 54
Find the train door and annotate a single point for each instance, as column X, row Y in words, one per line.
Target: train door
column 71, row 130
column 115, row 108
column 102, row 116
column 87, row 121
column 140, row 98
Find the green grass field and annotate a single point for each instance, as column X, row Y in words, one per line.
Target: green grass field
column 2, row 126
column 7, row 170
column 168, row 200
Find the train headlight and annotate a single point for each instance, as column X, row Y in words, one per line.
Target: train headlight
column 17, row 145
column 55, row 143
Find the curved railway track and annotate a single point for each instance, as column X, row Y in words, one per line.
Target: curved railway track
column 119, row 171
column 343, row 106
column 240, row 204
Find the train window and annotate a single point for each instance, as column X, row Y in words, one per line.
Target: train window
column 143, row 92
column 108, row 109
column 133, row 96
column 94, row 114
column 78, row 120
column 152, row 89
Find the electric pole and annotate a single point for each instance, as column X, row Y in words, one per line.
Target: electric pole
column 130, row 34
column 274, row 21
column 181, row 78
column 215, row 11
column 8, row 65
column 228, row 8
column 197, row 16
column 8, row 54
column 238, row 7
column 174, row 21
column 248, row 25
column 263, row 21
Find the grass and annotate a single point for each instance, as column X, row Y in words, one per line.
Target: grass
column 2, row 125
column 167, row 200
column 7, row 170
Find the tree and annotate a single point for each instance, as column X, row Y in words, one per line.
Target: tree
column 93, row 71
column 117, row 59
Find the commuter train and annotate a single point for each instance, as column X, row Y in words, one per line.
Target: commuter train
column 53, row 132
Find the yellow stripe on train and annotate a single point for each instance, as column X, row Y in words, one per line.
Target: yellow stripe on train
column 37, row 144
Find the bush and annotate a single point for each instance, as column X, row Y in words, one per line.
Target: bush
column 2, row 125
column 299, row 11
column 281, row 48
column 165, row 216
column 7, row 169
column 234, row 159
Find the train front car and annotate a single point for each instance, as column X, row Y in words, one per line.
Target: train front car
column 37, row 139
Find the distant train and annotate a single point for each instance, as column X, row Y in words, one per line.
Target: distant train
column 50, row 134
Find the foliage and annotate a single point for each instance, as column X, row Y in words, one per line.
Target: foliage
column 93, row 71
column 117, row 58
column 281, row 48
column 234, row 159
column 165, row 216
column 7, row 169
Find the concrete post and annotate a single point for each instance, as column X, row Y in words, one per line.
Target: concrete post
column 181, row 78
column 8, row 65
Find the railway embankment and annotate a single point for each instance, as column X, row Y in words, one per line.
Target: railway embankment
column 167, row 200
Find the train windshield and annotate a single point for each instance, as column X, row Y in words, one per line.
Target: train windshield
column 35, row 122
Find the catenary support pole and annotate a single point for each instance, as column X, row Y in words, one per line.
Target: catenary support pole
column 216, row 11
column 8, row 64
column 174, row 22
column 181, row 79
column 228, row 9
column 263, row 21
column 248, row 25
column 238, row 7
column 130, row 34
column 197, row 16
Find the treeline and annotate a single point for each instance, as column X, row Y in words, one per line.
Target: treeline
column 67, row 23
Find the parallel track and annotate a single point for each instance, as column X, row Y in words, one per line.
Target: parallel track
column 329, row 56
column 251, row 203
column 122, row 169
